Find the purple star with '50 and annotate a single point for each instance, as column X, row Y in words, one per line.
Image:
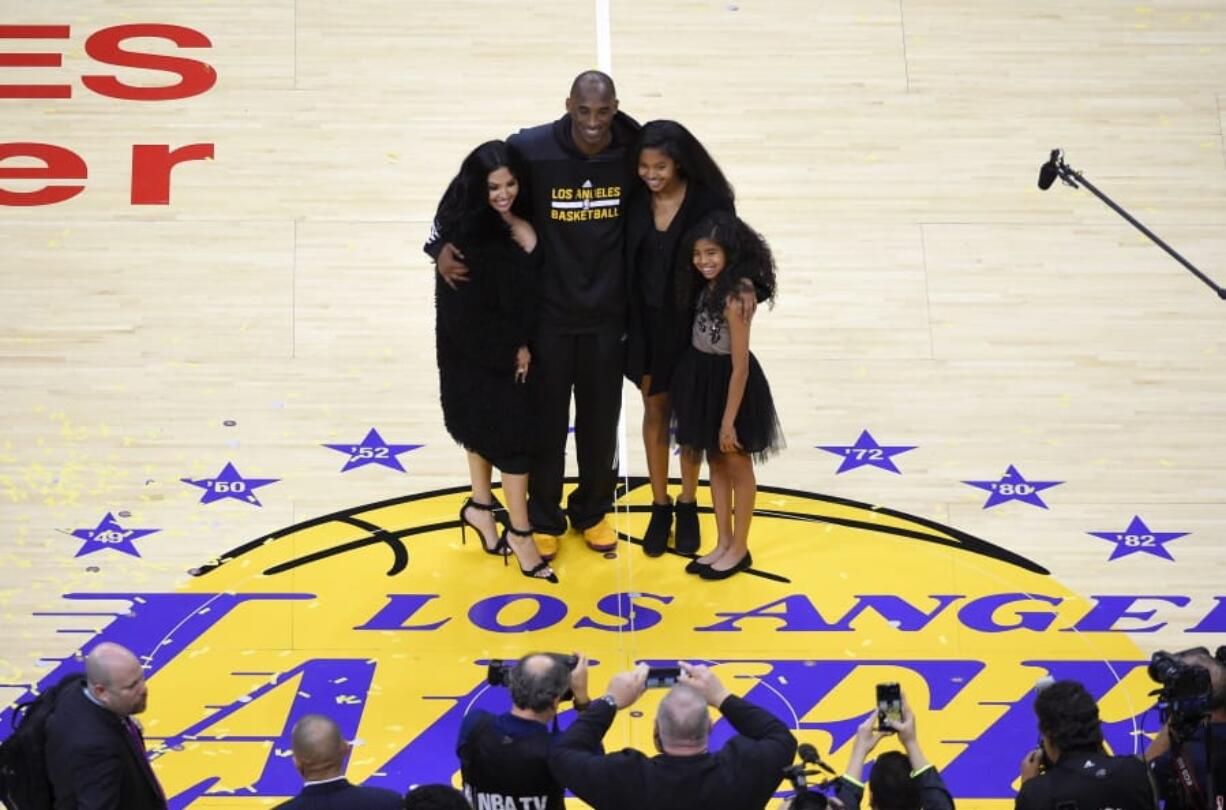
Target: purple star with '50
column 1139, row 539
column 229, row 484
column 867, row 453
column 109, row 534
column 373, row 450
column 1012, row 486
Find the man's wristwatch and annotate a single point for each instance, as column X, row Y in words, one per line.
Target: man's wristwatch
column 612, row 701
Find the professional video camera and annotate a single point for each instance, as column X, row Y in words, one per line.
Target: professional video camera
column 1183, row 700
column 807, row 798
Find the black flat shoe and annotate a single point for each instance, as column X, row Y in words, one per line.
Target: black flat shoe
column 710, row 573
column 695, row 567
column 655, row 539
column 686, row 535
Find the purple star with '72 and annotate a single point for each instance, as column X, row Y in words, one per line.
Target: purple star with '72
column 1013, row 486
column 867, row 453
column 109, row 534
column 373, row 450
column 229, row 484
column 1139, row 539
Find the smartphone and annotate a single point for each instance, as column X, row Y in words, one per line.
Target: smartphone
column 662, row 677
column 889, row 706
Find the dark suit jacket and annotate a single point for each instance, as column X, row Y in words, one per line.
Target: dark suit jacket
column 742, row 775
column 93, row 761
column 340, row 795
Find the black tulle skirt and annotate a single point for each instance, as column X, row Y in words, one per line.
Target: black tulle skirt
column 699, row 392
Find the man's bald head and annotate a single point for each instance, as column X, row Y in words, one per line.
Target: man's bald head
column 592, row 105
column 116, row 679
column 319, row 749
column 682, row 721
column 593, row 83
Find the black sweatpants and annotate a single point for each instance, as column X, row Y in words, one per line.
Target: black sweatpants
column 591, row 366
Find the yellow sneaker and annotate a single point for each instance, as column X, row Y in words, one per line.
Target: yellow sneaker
column 546, row 545
column 600, row 537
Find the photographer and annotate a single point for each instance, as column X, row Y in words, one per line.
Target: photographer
column 506, row 757
column 742, row 775
column 1180, row 744
column 897, row 781
column 1071, row 769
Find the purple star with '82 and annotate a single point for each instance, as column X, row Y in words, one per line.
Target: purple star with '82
column 1139, row 539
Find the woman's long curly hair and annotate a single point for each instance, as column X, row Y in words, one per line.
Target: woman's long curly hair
column 693, row 161
column 747, row 257
column 465, row 214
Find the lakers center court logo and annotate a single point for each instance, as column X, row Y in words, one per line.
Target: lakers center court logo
column 379, row 617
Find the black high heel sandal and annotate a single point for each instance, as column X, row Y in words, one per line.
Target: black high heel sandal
column 499, row 548
column 537, row 571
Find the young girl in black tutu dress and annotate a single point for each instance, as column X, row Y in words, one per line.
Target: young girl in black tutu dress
column 722, row 406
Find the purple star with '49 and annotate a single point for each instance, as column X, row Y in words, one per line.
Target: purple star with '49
column 373, row 450
column 1013, row 486
column 109, row 534
column 1139, row 539
column 229, row 484
column 867, row 453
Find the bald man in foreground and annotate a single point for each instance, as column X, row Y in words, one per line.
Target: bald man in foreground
column 319, row 755
column 742, row 775
column 95, row 751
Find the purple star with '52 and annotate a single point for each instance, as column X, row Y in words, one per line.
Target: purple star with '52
column 229, row 484
column 109, row 534
column 1013, row 486
column 373, row 450
column 867, row 453
column 1139, row 539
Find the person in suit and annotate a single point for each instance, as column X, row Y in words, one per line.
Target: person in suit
column 95, row 750
column 319, row 755
column 686, row 774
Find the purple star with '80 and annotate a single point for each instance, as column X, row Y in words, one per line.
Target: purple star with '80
column 1013, row 486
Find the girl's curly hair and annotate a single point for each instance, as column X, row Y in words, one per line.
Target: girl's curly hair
column 747, row 257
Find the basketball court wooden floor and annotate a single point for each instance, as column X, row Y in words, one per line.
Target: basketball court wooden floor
column 221, row 440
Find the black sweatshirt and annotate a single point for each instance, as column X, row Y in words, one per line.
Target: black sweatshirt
column 740, row 776
column 577, row 212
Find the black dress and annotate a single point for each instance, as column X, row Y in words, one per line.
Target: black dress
column 658, row 327
column 700, row 394
column 479, row 327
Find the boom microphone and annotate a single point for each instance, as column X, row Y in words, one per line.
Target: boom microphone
column 808, row 754
column 1048, row 171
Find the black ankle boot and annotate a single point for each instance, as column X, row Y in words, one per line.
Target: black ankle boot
column 655, row 540
column 688, row 538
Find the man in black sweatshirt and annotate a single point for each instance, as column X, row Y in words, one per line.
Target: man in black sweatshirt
column 742, row 775
column 577, row 177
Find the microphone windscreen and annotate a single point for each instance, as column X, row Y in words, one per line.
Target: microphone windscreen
column 1047, row 175
column 807, row 752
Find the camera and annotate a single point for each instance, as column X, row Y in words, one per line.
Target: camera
column 498, row 673
column 1186, row 691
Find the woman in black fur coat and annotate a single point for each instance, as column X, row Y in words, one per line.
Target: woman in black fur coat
column 483, row 328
